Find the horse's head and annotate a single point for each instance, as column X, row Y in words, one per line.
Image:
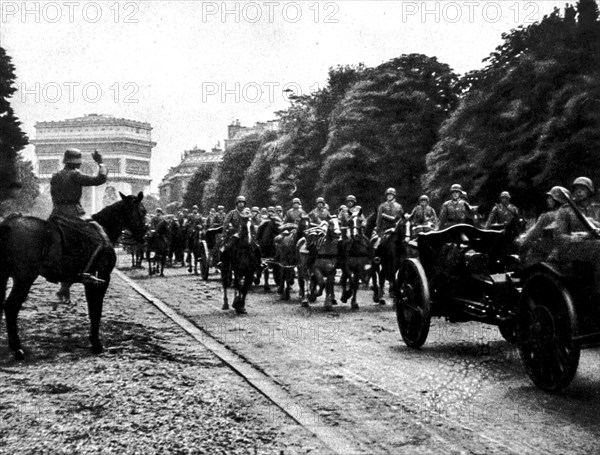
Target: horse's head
column 246, row 230
column 133, row 214
column 355, row 226
column 334, row 230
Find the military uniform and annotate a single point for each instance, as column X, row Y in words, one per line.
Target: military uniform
column 455, row 212
column 388, row 214
column 421, row 216
column 66, row 188
column 233, row 222
column 293, row 215
column 319, row 214
column 567, row 222
column 502, row 214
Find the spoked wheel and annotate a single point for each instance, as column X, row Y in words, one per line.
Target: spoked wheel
column 413, row 304
column 547, row 327
column 204, row 267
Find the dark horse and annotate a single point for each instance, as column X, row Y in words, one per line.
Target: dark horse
column 265, row 236
column 157, row 242
column 197, row 249
column 355, row 254
column 241, row 262
column 135, row 249
column 387, row 258
column 287, row 258
column 177, row 242
column 24, row 242
column 318, row 257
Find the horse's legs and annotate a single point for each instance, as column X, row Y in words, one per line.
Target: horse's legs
column 289, row 282
column 95, row 300
column 320, row 280
column 329, row 286
column 163, row 260
column 266, row 286
column 64, row 293
column 354, row 284
column 225, row 280
column 12, row 306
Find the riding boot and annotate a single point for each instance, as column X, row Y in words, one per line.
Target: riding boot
column 88, row 277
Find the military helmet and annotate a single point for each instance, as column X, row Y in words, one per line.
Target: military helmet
column 390, row 191
column 279, row 208
column 219, row 207
column 424, row 198
column 321, row 200
column 255, row 209
column 505, row 194
column 456, row 187
column 585, row 182
column 296, row 201
column 240, row 199
column 72, row 156
column 558, row 194
column 195, row 207
column 271, row 209
column 352, row 198
column 159, row 210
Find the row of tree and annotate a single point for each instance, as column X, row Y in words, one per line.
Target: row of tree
column 528, row 120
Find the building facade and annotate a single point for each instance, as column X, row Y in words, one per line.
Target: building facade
column 126, row 146
column 174, row 184
column 236, row 131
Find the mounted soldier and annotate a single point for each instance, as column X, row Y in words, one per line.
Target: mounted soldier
column 502, row 213
column 320, row 213
column 295, row 213
column 231, row 229
column 423, row 215
column 456, row 210
column 66, row 190
column 389, row 212
column 157, row 219
column 351, row 210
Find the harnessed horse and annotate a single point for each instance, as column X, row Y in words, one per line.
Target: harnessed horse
column 356, row 253
column 242, row 263
column 318, row 261
column 287, row 259
column 24, row 243
column 157, row 242
column 386, row 260
column 265, row 236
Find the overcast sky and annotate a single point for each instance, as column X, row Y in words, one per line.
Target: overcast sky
column 190, row 67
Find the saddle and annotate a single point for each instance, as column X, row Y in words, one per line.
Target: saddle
column 73, row 241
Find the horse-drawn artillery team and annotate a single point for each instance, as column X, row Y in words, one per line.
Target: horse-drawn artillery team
column 452, row 266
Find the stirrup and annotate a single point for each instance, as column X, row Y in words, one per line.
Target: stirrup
column 87, row 278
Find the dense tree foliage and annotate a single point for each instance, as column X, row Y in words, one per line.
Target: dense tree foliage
column 383, row 128
column 23, row 198
column 225, row 183
column 195, row 188
column 531, row 118
column 12, row 139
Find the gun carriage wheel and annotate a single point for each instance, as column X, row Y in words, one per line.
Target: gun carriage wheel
column 413, row 303
column 547, row 330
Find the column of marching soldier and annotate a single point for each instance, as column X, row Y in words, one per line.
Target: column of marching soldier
column 561, row 216
column 423, row 217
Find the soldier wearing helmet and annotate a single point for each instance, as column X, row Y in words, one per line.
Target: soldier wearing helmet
column 295, row 213
column 219, row 217
column 349, row 210
column 232, row 226
column 66, row 189
column 456, row 210
column 568, row 226
column 537, row 243
column 319, row 213
column 423, row 215
column 503, row 212
column 389, row 212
